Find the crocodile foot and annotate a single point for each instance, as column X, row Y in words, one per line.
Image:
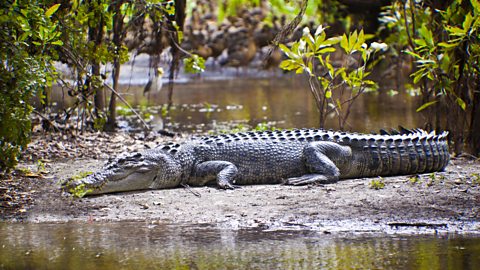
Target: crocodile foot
column 310, row 179
column 227, row 185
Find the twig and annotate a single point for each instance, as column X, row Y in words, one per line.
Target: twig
column 410, row 40
column 46, row 119
column 128, row 105
column 191, row 190
column 418, row 224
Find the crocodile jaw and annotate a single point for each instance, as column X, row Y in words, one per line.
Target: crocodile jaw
column 128, row 172
column 118, row 182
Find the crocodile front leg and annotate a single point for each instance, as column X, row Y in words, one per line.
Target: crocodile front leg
column 317, row 156
column 221, row 171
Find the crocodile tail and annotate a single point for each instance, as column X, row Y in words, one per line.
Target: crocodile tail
column 412, row 152
column 421, row 152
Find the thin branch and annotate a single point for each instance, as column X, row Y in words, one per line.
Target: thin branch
column 287, row 30
column 46, row 119
column 410, row 41
column 128, row 105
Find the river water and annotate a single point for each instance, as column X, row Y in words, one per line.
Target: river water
column 200, row 105
column 135, row 245
column 283, row 102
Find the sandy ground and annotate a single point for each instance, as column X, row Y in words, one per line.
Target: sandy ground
column 447, row 201
column 444, row 201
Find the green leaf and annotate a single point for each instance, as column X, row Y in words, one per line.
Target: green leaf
column 419, row 74
column 194, row 64
column 326, row 50
column 341, row 71
column 427, row 35
column 284, row 49
column 455, row 31
column 413, row 54
column 310, row 68
column 51, row 10
column 461, row 103
column 352, row 40
column 344, row 43
column 467, row 22
column 319, row 41
column 361, row 38
column 328, row 94
column 288, row 64
column 332, row 40
column 288, row 52
column 476, row 6
column 58, row 42
column 420, row 42
column 448, row 45
column 424, row 106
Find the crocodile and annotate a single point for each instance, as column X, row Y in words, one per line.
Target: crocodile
column 291, row 157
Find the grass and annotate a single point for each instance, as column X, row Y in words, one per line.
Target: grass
column 377, row 184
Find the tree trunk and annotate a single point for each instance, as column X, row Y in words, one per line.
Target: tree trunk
column 179, row 18
column 117, row 41
column 95, row 35
column 474, row 132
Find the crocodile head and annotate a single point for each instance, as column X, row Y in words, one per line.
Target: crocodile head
column 127, row 172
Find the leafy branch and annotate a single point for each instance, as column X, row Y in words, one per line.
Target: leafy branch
column 328, row 80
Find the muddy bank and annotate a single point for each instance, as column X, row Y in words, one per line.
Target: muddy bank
column 444, row 201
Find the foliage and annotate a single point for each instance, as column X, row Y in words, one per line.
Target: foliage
column 377, row 184
column 81, row 190
column 443, row 39
column 475, row 179
column 318, row 11
column 194, row 64
column 415, row 179
column 263, row 126
column 329, row 80
column 28, row 38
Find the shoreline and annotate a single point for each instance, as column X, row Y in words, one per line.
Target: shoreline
column 441, row 202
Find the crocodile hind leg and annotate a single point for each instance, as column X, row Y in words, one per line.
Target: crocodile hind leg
column 317, row 156
column 221, row 171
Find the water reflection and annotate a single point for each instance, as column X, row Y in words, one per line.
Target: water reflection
column 147, row 246
column 285, row 101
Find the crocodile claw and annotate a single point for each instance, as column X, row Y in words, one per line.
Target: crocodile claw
column 227, row 185
column 310, row 179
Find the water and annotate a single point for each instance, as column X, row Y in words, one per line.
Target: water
column 283, row 101
column 146, row 246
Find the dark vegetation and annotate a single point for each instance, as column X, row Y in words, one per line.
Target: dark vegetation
column 437, row 40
